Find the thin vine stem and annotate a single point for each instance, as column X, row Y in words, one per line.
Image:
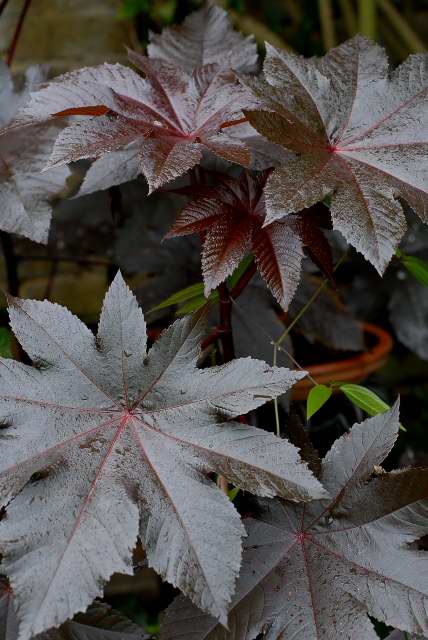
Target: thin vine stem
column 277, row 343
column 325, row 10
column 367, row 18
column 309, row 303
column 401, row 26
column 12, row 47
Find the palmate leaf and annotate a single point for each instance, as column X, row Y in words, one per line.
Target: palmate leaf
column 314, row 572
column 100, row 622
column 205, row 37
column 233, row 217
column 26, row 195
column 359, row 134
column 102, row 442
column 160, row 124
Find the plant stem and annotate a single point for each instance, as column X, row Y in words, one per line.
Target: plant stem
column 277, row 343
column 225, row 326
column 20, row 23
column 348, row 17
column 3, row 5
column 367, row 18
column 11, row 263
column 243, row 281
column 224, row 334
column 275, row 400
column 116, row 211
column 325, row 10
column 311, row 300
column 401, row 26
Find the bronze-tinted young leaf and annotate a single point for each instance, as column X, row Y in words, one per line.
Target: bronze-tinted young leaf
column 233, row 217
column 100, row 622
column 161, row 123
column 105, row 442
column 314, row 572
column 359, row 135
column 25, row 194
column 205, row 37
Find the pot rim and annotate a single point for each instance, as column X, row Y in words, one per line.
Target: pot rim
column 353, row 369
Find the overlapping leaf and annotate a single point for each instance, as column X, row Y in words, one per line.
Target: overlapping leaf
column 160, row 124
column 205, row 37
column 102, row 442
column 25, row 194
column 315, row 572
column 329, row 322
column 359, row 134
column 408, row 312
column 100, row 622
column 233, row 216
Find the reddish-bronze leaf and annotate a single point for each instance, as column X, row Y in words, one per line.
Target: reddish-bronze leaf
column 96, row 110
column 233, row 216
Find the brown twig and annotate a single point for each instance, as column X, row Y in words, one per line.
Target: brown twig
column 243, row 281
column 3, row 5
column 12, row 48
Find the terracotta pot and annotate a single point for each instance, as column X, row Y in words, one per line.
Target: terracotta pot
column 354, row 369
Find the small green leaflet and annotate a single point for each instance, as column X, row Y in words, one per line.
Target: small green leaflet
column 186, row 295
column 317, row 397
column 233, row 493
column 366, row 399
column 416, row 266
column 192, row 298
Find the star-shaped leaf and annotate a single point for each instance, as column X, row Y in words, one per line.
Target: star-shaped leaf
column 233, row 216
column 100, row 622
column 102, row 442
column 161, row 123
column 205, row 37
column 359, row 134
column 315, row 572
column 26, row 194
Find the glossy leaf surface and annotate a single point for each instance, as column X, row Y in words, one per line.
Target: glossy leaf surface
column 102, row 442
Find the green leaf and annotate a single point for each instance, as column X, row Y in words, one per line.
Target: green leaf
column 5, row 343
column 366, row 400
column 417, row 267
column 233, row 493
column 182, row 296
column 131, row 8
column 317, row 397
column 191, row 306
